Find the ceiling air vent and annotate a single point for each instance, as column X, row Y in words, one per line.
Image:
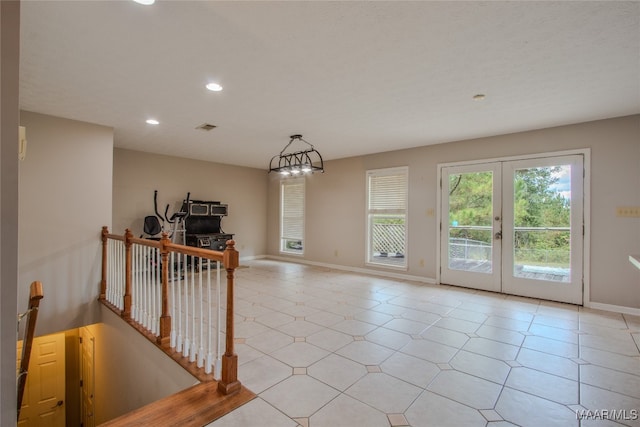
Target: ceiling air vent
column 206, row 126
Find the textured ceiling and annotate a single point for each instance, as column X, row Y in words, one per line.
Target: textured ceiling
column 352, row 77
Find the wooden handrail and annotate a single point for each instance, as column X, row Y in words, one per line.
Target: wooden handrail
column 199, row 252
column 229, row 258
column 145, row 242
column 35, row 295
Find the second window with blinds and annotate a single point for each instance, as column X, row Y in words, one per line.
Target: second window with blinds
column 387, row 197
column 292, row 216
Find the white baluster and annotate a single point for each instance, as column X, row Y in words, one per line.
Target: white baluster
column 187, row 339
column 173, row 299
column 182, row 274
column 147, row 287
column 218, row 329
column 120, row 274
column 200, row 362
column 209, row 362
column 194, row 343
column 154, row 291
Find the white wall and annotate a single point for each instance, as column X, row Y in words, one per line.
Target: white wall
column 65, row 199
column 130, row 371
column 335, row 209
column 136, row 175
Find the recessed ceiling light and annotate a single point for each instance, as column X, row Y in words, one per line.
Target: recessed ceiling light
column 215, row 87
column 479, row 97
column 145, row 2
column 153, row 122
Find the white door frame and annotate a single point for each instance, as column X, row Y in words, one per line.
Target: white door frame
column 485, row 280
column 586, row 152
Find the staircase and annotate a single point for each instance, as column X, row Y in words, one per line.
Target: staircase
column 172, row 295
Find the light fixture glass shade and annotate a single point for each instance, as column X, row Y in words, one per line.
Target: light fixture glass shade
column 296, row 162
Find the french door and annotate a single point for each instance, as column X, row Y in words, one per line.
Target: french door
column 515, row 227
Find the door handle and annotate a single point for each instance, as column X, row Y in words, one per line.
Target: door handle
column 498, row 235
column 58, row 404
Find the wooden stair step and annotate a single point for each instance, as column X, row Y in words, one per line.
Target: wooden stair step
column 195, row 406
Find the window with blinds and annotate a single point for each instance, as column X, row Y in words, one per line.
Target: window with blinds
column 387, row 198
column 292, row 216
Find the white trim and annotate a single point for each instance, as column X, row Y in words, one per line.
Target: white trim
column 586, row 239
column 614, row 308
column 397, row 170
column 586, row 152
column 283, row 183
column 517, row 157
column 252, row 257
column 389, row 274
column 590, row 305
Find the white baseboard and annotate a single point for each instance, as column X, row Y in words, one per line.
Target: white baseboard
column 614, row 308
column 252, row 257
column 593, row 305
column 389, row 274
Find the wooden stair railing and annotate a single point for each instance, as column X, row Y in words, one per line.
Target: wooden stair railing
column 35, row 295
column 228, row 382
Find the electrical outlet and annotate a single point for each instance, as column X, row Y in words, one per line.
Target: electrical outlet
column 335, row 253
column 628, row 211
column 421, row 262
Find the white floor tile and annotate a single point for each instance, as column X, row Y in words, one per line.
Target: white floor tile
column 299, row 354
column 365, row 352
column 366, row 348
column 309, row 396
column 411, row 369
column 481, row 366
column 384, row 392
column 429, row 350
column 616, row 381
column 256, row 413
column 527, row 410
column 547, row 386
column 345, row 411
column 388, row 338
column 466, row 389
column 430, row 407
column 549, row 363
column 337, row 371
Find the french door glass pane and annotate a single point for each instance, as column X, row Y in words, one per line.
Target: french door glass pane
column 542, row 223
column 470, row 221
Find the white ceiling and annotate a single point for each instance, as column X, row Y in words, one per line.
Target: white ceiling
column 353, row 77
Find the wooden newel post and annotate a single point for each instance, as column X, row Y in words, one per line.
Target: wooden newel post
column 164, row 334
column 126, row 312
column 103, row 281
column 229, row 382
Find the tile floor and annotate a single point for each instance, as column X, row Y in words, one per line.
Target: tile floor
column 328, row 348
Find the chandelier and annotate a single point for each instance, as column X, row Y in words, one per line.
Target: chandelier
column 297, row 162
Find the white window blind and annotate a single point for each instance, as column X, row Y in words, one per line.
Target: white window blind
column 388, row 191
column 387, row 198
column 292, row 215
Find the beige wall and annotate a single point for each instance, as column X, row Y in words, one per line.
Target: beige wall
column 335, row 204
column 136, row 175
column 130, row 371
column 64, row 199
column 9, row 121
